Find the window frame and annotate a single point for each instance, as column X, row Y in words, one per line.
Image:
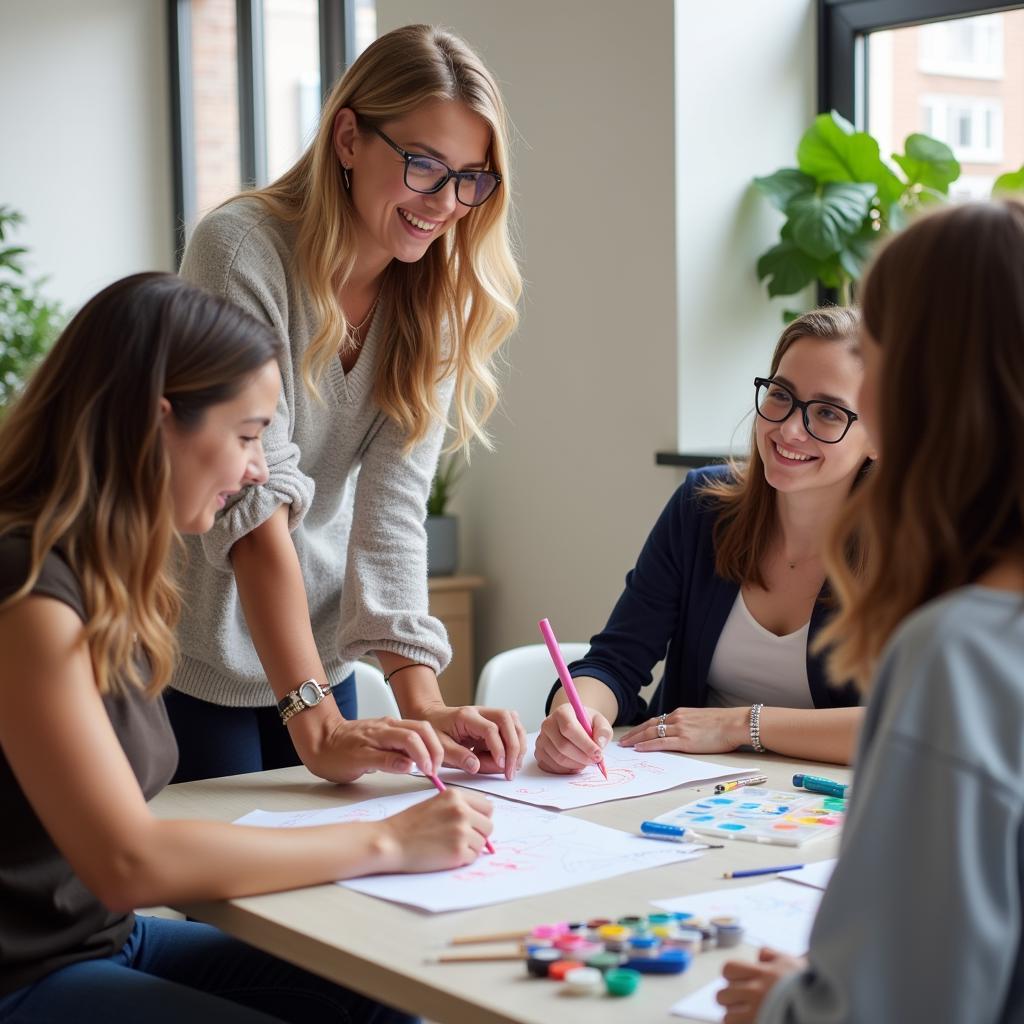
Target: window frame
column 842, row 54
column 337, row 51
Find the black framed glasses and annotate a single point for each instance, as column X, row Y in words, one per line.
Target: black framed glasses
column 824, row 421
column 428, row 175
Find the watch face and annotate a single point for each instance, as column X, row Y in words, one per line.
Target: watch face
column 310, row 693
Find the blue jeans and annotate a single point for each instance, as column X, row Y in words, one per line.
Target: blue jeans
column 174, row 971
column 214, row 740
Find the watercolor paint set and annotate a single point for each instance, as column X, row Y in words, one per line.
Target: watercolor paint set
column 762, row 816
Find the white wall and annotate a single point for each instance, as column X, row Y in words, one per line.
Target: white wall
column 84, row 138
column 612, row 332
column 745, row 93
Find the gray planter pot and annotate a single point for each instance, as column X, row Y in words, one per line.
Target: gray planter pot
column 442, row 545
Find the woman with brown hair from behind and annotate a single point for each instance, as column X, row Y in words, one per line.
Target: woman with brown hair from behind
column 934, row 629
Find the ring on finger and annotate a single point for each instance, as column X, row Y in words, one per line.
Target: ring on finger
column 662, row 729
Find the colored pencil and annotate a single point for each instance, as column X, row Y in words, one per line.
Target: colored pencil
column 567, row 684
column 441, row 787
column 751, row 872
column 469, row 940
column 727, row 787
column 478, row 957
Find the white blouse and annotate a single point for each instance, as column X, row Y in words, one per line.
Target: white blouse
column 752, row 665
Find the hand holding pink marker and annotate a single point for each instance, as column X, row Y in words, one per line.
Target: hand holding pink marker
column 441, row 788
column 567, row 683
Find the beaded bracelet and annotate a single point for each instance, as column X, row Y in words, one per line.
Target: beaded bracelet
column 755, row 728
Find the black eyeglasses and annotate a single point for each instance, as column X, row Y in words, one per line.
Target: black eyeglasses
column 427, row 174
column 824, row 421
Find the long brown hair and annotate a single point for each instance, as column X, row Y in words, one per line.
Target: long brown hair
column 945, row 301
column 446, row 313
column 747, row 524
column 82, row 462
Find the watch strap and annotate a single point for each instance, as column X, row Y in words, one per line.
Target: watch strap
column 292, row 702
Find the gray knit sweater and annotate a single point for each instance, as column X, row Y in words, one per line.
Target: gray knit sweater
column 356, row 502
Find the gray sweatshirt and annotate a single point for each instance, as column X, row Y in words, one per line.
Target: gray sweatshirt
column 357, row 503
column 921, row 923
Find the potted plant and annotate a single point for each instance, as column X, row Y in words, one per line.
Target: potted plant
column 842, row 197
column 442, row 528
column 28, row 322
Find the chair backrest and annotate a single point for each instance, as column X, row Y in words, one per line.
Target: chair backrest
column 521, row 679
column 374, row 698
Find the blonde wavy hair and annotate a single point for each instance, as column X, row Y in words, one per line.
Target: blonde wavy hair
column 747, row 522
column 83, row 468
column 449, row 312
column 945, row 302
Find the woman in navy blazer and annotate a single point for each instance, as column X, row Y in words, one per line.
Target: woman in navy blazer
column 730, row 588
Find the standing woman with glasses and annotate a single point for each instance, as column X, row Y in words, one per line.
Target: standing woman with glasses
column 382, row 260
column 730, row 587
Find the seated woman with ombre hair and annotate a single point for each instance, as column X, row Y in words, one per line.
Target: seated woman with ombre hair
column 730, row 587
column 142, row 421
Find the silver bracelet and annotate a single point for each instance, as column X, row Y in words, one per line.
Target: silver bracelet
column 755, row 728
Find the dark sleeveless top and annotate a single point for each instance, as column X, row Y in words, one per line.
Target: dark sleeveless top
column 48, row 918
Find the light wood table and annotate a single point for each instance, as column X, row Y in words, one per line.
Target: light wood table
column 451, row 601
column 383, row 949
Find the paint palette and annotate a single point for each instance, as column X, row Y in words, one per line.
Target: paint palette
column 762, row 816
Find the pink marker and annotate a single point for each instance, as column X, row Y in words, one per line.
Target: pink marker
column 441, row 787
column 567, row 684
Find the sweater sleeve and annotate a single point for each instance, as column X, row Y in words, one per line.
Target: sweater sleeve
column 236, row 261
column 385, row 600
column 931, row 836
column 644, row 618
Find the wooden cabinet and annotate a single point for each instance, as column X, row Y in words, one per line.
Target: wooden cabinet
column 451, row 601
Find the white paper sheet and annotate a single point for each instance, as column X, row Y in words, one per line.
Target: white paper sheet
column 701, row 1005
column 777, row 913
column 629, row 774
column 815, row 875
column 536, row 851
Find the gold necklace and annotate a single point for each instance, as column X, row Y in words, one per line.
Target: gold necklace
column 354, row 329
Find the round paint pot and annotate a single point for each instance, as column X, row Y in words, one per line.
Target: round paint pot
column 668, row 961
column 644, row 946
column 682, row 916
column 659, row 919
column 632, row 921
column 558, row 971
column 584, row 981
column 689, row 939
column 604, row 962
column 621, row 982
column 549, row 931
column 570, row 943
column 599, row 922
column 614, row 936
column 728, row 931
column 539, row 962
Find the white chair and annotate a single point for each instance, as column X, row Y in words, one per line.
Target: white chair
column 521, row 679
column 374, row 698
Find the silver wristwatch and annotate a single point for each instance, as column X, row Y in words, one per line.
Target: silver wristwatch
column 305, row 695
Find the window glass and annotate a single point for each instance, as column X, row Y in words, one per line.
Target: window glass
column 214, row 102
column 953, row 80
column 291, row 61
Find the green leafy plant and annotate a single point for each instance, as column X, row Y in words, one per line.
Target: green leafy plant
column 29, row 323
column 840, row 198
column 442, row 490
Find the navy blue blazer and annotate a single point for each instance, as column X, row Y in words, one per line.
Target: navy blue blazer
column 674, row 601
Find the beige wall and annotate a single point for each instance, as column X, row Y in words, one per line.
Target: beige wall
column 556, row 516
column 84, row 138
